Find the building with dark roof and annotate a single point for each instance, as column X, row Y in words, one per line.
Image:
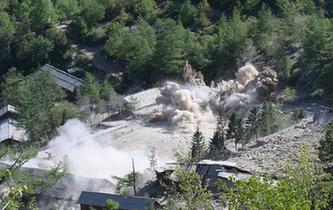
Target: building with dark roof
column 97, row 201
column 65, row 80
column 211, row 171
column 66, row 192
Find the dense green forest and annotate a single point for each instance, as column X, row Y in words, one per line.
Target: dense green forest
column 153, row 38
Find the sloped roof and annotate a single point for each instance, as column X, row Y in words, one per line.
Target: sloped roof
column 69, row 187
column 7, row 109
column 125, row 202
column 10, row 131
column 63, row 79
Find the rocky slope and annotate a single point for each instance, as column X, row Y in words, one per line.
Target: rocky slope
column 270, row 154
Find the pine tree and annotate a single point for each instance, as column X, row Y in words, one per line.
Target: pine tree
column 239, row 134
column 235, row 129
column 271, row 119
column 326, row 146
column 217, row 144
column 198, row 146
column 252, row 123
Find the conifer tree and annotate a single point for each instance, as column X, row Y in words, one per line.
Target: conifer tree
column 217, row 143
column 252, row 123
column 198, row 146
column 235, row 129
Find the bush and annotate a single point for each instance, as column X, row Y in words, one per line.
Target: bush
column 289, row 94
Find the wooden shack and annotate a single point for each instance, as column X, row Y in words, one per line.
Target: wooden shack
column 8, row 125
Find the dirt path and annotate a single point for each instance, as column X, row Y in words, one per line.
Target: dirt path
column 99, row 60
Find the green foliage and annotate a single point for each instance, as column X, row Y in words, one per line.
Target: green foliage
column 317, row 42
column 6, row 34
column 42, row 14
column 90, row 89
column 33, row 50
column 111, row 205
column 326, row 146
column 301, row 188
column 192, row 193
column 24, row 186
column 170, row 48
column 284, row 67
column 187, row 12
column 36, row 104
column 271, row 119
column 35, row 97
column 217, row 143
column 325, row 79
column 197, row 146
column 289, row 94
column 13, row 88
column 66, row 9
column 235, row 129
column 229, row 43
column 135, row 47
column 252, row 123
column 63, row 111
column 91, row 12
column 130, row 180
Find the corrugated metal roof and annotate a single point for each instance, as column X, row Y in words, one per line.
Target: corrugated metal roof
column 125, row 202
column 63, row 79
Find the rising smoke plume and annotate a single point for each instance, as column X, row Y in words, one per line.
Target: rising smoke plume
column 82, row 154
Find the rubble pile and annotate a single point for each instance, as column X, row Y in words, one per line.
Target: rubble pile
column 269, row 154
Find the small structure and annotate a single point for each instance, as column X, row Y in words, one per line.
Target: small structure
column 67, row 190
column 65, row 80
column 8, row 126
column 97, row 201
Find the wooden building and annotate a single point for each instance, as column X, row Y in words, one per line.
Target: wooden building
column 65, row 80
column 8, row 125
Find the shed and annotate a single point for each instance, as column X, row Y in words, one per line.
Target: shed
column 63, row 79
column 8, row 126
column 98, row 201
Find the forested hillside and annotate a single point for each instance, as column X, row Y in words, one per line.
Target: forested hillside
column 152, row 39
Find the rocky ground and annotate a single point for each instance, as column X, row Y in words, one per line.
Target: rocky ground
column 271, row 153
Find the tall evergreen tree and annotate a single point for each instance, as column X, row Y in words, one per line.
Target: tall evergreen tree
column 198, row 146
column 217, row 143
column 252, row 123
column 271, row 119
column 235, row 129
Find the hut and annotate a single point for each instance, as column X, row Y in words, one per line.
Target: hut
column 8, row 125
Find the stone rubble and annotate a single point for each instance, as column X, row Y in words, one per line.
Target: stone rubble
column 270, row 154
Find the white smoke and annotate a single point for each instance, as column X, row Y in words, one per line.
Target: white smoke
column 82, row 154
